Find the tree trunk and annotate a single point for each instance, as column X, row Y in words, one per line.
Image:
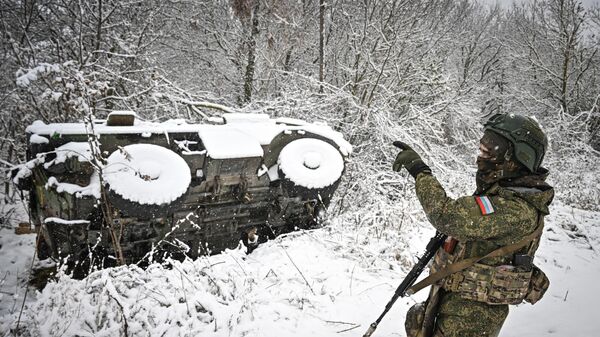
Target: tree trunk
column 249, row 77
column 321, row 40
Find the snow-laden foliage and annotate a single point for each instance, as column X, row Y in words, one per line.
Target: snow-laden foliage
column 313, row 282
column 231, row 294
column 424, row 72
column 324, row 282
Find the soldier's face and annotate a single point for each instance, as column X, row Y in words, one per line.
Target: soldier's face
column 484, row 152
column 492, row 147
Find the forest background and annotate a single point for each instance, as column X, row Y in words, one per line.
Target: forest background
column 426, row 72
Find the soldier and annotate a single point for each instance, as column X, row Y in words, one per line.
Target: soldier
column 487, row 261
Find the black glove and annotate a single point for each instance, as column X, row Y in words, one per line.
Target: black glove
column 409, row 159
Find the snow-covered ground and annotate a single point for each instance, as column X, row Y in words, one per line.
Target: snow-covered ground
column 332, row 281
column 569, row 256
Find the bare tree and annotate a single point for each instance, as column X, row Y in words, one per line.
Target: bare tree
column 321, row 42
column 549, row 46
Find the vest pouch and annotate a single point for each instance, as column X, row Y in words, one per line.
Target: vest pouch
column 538, row 285
column 414, row 319
column 440, row 260
column 492, row 285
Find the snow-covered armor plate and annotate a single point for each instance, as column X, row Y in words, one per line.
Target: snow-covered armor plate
column 126, row 187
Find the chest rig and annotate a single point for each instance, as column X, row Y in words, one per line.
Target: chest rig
column 494, row 278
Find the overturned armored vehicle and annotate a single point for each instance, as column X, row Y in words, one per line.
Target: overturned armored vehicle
column 125, row 189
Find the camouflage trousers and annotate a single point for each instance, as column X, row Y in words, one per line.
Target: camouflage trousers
column 457, row 317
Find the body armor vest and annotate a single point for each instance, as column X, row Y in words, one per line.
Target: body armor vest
column 493, row 282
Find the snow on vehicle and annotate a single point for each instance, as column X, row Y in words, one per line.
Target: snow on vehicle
column 126, row 186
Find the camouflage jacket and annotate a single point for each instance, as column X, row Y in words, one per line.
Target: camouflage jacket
column 513, row 214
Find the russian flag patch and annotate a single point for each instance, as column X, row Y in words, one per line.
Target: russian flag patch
column 485, row 205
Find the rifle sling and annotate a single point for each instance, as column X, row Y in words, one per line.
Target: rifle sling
column 466, row 263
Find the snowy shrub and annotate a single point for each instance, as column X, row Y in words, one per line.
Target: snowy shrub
column 572, row 160
column 420, row 73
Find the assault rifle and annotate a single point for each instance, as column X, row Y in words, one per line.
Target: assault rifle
column 403, row 289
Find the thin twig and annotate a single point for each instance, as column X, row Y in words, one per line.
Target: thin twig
column 37, row 242
column 352, row 278
column 184, row 293
column 242, row 268
column 298, row 269
column 339, row 322
column 352, row 328
column 122, row 313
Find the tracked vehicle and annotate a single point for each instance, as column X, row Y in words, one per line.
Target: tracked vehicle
column 129, row 188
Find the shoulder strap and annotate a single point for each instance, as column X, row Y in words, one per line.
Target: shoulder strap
column 466, row 263
column 533, row 246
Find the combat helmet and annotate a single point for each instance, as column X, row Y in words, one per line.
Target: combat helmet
column 528, row 139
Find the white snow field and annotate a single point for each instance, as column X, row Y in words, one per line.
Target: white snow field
column 331, row 281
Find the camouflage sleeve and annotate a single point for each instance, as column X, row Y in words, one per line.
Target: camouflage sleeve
column 463, row 218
